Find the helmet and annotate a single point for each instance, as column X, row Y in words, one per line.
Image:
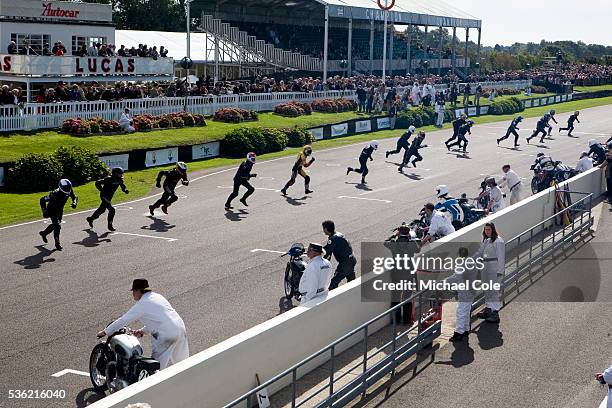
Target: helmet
column 577, row 113
column 421, row 134
column 552, row 112
column 117, row 172
column 441, row 190
column 520, row 118
column 546, row 115
column 65, row 185
column 411, row 129
column 181, row 166
column 374, row 144
column 251, row 156
column 307, row 150
column 540, row 154
column 463, row 116
column 403, row 229
column 592, row 142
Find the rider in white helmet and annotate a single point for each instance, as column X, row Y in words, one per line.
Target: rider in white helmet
column 366, row 154
column 449, row 205
column 402, row 142
column 241, row 178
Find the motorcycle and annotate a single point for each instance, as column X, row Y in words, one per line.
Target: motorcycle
column 118, row 361
column 542, row 178
column 294, row 270
column 471, row 212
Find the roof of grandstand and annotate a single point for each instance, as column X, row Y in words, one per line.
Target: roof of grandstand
column 419, row 12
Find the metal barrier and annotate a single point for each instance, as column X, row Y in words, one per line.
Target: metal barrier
column 404, row 344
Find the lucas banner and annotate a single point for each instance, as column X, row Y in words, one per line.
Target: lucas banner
column 363, row 126
column 161, row 157
column 339, row 130
column 116, row 160
column 206, row 150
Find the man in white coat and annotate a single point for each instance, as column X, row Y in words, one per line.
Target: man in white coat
column 161, row 321
column 126, row 121
column 317, row 275
column 585, row 163
column 496, row 197
column 606, row 379
column 513, row 182
column 416, row 94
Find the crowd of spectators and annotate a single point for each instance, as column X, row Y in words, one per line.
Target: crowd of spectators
column 95, row 50
column 204, row 86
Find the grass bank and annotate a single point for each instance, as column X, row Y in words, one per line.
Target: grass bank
column 15, row 145
column 16, row 208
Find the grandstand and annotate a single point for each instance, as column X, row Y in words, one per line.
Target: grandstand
column 336, row 36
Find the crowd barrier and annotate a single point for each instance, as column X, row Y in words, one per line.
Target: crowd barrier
column 34, row 116
column 224, row 372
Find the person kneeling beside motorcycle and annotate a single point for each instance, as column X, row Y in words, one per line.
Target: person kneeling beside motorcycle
column 317, row 276
column 439, row 226
column 161, row 321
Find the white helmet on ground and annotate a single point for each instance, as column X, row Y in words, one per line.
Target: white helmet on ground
column 592, row 142
column 374, row 144
column 441, row 190
column 411, row 129
column 65, row 186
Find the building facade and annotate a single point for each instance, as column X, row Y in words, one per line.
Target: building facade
column 44, row 23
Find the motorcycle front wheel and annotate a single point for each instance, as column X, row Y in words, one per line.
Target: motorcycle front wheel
column 97, row 368
column 535, row 186
column 288, row 283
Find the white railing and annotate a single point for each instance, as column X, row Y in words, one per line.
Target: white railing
column 51, row 115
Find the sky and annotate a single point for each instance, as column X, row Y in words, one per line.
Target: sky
column 505, row 22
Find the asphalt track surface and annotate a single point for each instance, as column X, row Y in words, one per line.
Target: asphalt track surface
column 202, row 257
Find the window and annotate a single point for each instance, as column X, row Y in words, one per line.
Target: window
column 78, row 42
column 36, row 42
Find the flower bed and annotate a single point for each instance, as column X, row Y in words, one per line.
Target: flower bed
column 97, row 125
column 235, row 115
column 333, row 105
column 293, row 109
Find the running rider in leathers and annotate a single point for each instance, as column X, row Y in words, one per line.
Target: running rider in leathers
column 540, row 128
column 512, row 130
column 108, row 186
column 402, row 143
column 52, row 207
column 417, row 144
column 179, row 173
column 457, row 123
column 241, row 178
column 570, row 123
column 366, row 154
column 298, row 168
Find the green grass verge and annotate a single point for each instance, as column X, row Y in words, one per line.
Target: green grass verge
column 593, row 88
column 15, row 145
column 16, row 208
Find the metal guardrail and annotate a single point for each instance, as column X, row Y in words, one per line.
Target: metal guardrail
column 404, row 344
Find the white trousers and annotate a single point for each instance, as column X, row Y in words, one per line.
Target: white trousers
column 515, row 195
column 170, row 349
column 489, row 275
column 440, row 118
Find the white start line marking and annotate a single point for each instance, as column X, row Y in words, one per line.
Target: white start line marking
column 145, row 236
column 266, row 250
column 256, row 188
column 367, row 199
column 70, row 371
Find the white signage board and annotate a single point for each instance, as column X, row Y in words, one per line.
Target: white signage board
column 383, row 123
column 472, row 111
column 116, row 160
column 339, row 130
column 206, row 150
column 317, row 133
column 161, row 156
column 484, row 110
column 363, row 126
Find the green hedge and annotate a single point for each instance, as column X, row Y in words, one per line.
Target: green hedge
column 506, row 106
column 419, row 117
column 240, row 141
column 42, row 172
column 298, row 136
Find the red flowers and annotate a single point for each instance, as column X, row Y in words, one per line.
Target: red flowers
column 235, row 115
